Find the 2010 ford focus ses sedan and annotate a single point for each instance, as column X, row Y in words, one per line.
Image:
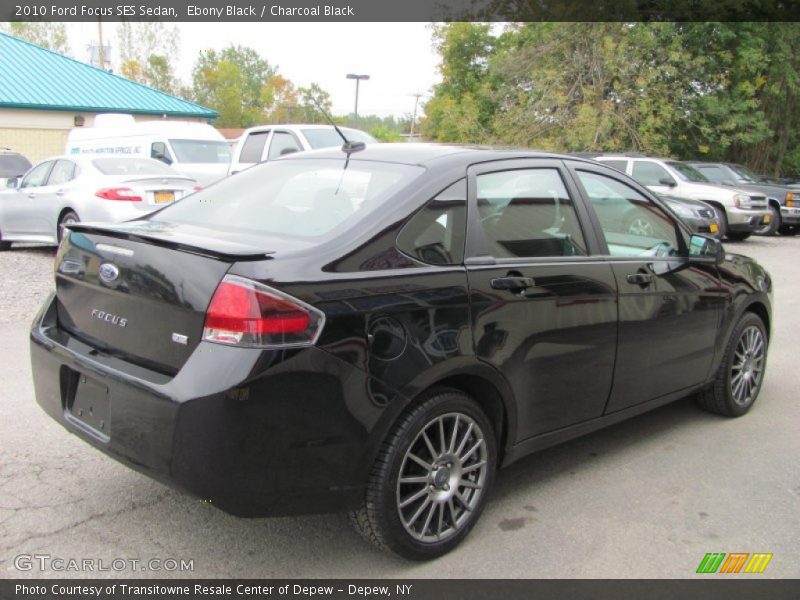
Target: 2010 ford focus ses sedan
column 380, row 330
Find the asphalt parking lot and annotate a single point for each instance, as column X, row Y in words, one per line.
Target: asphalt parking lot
column 645, row 498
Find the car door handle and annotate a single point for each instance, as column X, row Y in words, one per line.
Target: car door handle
column 643, row 279
column 512, row 283
column 59, row 192
column 31, row 195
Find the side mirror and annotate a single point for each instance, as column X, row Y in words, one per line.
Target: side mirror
column 12, row 183
column 703, row 247
column 668, row 181
column 729, row 182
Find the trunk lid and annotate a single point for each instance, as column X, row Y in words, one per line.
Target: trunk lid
column 141, row 292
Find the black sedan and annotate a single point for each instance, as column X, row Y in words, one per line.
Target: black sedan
column 380, row 330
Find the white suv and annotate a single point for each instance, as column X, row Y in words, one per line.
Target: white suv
column 741, row 212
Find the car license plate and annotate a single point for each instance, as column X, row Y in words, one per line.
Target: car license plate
column 767, row 218
column 713, row 228
column 88, row 406
column 163, row 197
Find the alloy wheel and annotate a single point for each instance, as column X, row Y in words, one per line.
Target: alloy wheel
column 748, row 365
column 442, row 477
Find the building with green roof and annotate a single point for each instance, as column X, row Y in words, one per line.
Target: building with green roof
column 44, row 94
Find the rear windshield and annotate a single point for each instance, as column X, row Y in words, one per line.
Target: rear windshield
column 132, row 166
column 687, row 172
column 328, row 138
column 13, row 165
column 296, row 198
column 201, row 151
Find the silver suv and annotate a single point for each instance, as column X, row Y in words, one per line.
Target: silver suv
column 741, row 212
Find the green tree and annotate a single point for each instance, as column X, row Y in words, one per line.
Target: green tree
column 146, row 52
column 235, row 83
column 462, row 104
column 52, row 36
column 312, row 99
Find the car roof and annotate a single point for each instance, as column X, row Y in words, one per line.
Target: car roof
column 297, row 127
column 412, row 153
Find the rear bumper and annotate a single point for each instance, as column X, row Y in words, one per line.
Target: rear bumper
column 253, row 440
column 745, row 220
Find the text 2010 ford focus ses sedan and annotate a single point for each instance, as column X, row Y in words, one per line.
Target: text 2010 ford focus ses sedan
column 379, row 330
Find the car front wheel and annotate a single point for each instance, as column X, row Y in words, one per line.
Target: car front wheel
column 773, row 225
column 431, row 479
column 741, row 372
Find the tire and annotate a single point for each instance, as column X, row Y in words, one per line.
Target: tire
column 723, row 222
column 4, row 245
column 67, row 218
column 430, row 513
column 788, row 230
column 773, row 225
column 738, row 236
column 741, row 372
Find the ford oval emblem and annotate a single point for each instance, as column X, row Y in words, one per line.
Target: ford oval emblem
column 108, row 273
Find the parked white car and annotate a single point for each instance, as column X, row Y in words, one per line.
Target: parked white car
column 266, row 142
column 741, row 212
column 69, row 189
column 196, row 150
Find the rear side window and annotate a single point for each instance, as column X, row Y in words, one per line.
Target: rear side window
column 253, row 147
column 619, row 165
column 528, row 213
column 435, row 234
column 650, row 173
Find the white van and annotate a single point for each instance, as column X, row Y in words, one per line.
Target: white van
column 196, row 150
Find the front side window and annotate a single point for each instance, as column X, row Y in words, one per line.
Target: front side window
column 650, row 173
column 528, row 213
column 63, row 172
column 435, row 234
column 36, row 177
column 632, row 224
column 282, row 143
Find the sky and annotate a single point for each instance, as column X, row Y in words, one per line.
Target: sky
column 398, row 57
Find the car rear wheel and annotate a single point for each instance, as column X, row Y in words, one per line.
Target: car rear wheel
column 741, row 372
column 68, row 218
column 4, row 245
column 431, row 479
column 773, row 225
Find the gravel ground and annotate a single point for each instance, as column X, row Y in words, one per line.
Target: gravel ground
column 26, row 273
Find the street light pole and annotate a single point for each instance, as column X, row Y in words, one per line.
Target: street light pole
column 413, row 117
column 358, row 79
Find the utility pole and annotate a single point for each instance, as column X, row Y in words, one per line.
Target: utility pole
column 101, row 51
column 413, row 117
column 358, row 79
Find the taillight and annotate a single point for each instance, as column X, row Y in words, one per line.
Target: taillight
column 118, row 193
column 243, row 312
column 197, row 188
